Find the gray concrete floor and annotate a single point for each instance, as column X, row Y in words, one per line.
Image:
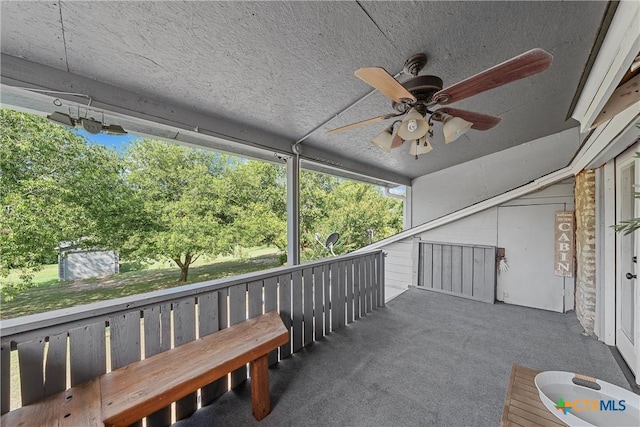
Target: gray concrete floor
column 426, row 359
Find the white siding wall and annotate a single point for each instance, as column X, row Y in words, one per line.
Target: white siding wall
column 398, row 266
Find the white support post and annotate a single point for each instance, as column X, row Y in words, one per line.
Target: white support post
column 293, row 210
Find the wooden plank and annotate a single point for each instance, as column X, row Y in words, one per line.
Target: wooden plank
column 370, row 282
column 543, row 413
column 375, row 291
column 416, row 261
column 31, row 357
column 284, row 283
column 88, row 354
column 255, row 298
column 129, row 394
column 55, row 379
column 78, row 406
column 260, row 398
column 318, row 302
column 237, row 314
column 307, row 306
column 456, row 269
column 427, row 265
column 208, row 323
column 271, row 304
column 184, row 331
column 125, row 339
column 467, row 270
column 490, row 266
column 297, row 319
column 437, row 267
column 383, row 278
column 478, row 273
column 334, row 295
column 341, row 294
column 157, row 338
column 5, row 375
column 363, row 287
column 326, row 278
column 446, row 268
column 356, row 289
column 349, row 284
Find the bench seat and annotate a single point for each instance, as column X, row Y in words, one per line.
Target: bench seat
column 132, row 392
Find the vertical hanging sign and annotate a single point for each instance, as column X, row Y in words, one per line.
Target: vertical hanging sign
column 564, row 251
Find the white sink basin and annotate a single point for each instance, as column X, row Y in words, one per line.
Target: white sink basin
column 587, row 402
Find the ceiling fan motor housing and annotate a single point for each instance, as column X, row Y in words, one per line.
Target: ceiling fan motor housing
column 423, row 88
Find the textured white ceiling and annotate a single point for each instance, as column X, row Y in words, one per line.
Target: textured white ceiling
column 284, row 68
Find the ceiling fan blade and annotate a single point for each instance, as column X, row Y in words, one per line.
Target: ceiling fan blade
column 524, row 65
column 362, row 123
column 380, row 79
column 480, row 121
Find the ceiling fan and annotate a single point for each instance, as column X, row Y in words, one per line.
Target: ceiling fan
column 417, row 96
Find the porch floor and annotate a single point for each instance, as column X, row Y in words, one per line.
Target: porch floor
column 425, row 359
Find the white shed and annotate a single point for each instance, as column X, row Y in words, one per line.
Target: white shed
column 75, row 263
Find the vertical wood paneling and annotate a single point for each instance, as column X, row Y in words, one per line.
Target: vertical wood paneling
column 383, row 295
column 255, row 299
column 237, row 314
column 437, row 267
column 318, row 301
column 125, row 339
column 446, row 268
column 427, row 265
column 56, row 367
column 326, row 279
column 208, row 323
column 88, row 355
column 349, row 267
column 296, row 299
column 271, row 304
column 307, row 307
column 341, row 294
column 157, row 338
column 356, row 289
column 31, row 357
column 478, row 272
column 285, row 311
column 335, row 311
column 489, row 294
column 363, row 287
column 456, row 269
column 467, row 270
column 5, row 375
column 184, row 331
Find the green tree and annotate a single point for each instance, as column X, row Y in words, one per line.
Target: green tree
column 54, row 188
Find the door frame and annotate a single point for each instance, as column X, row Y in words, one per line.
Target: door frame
column 622, row 160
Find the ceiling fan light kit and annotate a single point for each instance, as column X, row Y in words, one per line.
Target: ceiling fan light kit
column 417, row 96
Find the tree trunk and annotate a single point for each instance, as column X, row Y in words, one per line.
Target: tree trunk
column 184, row 266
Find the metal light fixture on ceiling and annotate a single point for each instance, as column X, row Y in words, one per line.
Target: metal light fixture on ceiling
column 386, row 140
column 89, row 124
column 454, row 127
column 62, row 119
column 113, row 130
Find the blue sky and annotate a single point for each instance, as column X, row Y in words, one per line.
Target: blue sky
column 115, row 142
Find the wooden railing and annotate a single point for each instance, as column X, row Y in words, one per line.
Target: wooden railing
column 62, row 348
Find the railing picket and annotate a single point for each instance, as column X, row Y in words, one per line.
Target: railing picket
column 368, row 284
column 125, row 339
column 237, row 314
column 184, row 331
column 157, row 338
column 307, row 276
column 335, row 292
column 31, row 356
column 296, row 298
column 363, row 287
column 376, row 281
column 88, row 354
column 381, row 275
column 285, row 311
column 326, row 308
column 356, row 289
column 56, row 366
column 318, row 302
column 349, row 267
column 341, row 293
column 208, row 323
column 255, row 299
column 270, row 304
column 5, row 377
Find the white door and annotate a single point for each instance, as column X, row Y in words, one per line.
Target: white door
column 527, row 234
column 627, row 292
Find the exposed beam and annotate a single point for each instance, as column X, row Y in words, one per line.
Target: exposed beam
column 18, row 72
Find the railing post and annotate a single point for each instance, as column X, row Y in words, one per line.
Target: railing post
column 293, row 210
column 381, row 257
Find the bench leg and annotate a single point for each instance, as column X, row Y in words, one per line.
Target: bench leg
column 260, row 399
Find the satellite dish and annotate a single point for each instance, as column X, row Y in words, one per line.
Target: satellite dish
column 331, row 240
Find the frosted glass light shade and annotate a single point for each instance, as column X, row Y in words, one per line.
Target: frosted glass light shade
column 384, row 139
column 414, row 126
column 421, row 146
column 454, row 128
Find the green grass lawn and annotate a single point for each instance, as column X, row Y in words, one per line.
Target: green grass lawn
column 50, row 294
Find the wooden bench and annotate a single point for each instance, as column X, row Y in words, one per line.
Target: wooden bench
column 522, row 405
column 128, row 394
